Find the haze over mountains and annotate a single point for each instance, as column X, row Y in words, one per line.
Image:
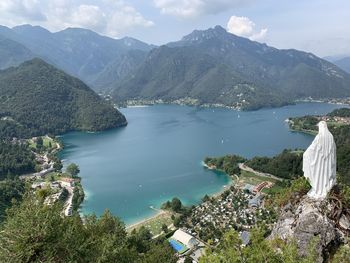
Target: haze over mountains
column 343, row 63
column 205, row 67
column 80, row 52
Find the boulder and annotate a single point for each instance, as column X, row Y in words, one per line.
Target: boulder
column 307, row 222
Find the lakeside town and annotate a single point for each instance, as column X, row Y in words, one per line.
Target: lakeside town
column 49, row 182
column 239, row 206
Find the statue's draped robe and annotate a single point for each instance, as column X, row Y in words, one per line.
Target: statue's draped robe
column 319, row 163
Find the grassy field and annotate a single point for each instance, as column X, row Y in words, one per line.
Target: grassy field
column 55, row 176
column 154, row 224
column 251, row 178
column 46, row 142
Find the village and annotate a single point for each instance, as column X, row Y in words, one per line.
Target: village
column 49, row 182
column 240, row 206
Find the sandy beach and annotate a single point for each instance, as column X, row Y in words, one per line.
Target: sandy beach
column 159, row 214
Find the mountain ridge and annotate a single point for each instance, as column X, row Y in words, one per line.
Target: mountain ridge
column 255, row 70
column 343, row 63
column 80, row 52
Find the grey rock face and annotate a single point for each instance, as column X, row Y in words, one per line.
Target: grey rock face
column 307, row 223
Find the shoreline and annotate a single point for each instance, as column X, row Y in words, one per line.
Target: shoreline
column 194, row 103
column 159, row 213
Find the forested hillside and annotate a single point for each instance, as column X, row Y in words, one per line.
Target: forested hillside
column 36, row 99
column 15, row 159
column 39, row 233
column 215, row 67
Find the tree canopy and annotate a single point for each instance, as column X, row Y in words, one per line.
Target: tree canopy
column 34, row 232
column 37, row 99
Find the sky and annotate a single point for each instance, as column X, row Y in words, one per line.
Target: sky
column 318, row 26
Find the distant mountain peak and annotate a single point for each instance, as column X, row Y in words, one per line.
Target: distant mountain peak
column 27, row 27
column 200, row 35
column 78, row 30
column 220, row 29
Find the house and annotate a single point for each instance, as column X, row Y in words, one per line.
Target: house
column 261, row 186
column 67, row 182
column 255, row 202
column 55, row 185
column 185, row 238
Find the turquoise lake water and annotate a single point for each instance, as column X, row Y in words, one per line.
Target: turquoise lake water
column 158, row 155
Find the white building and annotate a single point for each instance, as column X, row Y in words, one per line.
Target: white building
column 185, row 238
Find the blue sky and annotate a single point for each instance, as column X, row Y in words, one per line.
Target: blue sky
column 317, row 26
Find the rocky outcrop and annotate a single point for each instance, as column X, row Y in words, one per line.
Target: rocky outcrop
column 307, row 222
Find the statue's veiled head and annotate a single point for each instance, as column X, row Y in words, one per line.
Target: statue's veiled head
column 322, row 127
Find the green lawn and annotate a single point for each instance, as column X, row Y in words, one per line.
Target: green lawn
column 54, row 175
column 154, row 225
column 253, row 179
column 46, row 143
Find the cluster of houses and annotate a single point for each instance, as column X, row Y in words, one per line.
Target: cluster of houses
column 342, row 120
column 51, row 199
column 234, row 209
column 57, row 187
column 256, row 189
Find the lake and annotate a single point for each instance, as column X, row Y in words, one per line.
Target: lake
column 158, row 155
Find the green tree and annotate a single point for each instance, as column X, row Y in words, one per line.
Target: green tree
column 159, row 253
column 188, row 259
column 176, row 204
column 39, row 143
column 165, row 228
column 10, row 190
column 73, row 169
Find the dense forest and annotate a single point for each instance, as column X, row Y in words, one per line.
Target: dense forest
column 287, row 165
column 66, row 239
column 15, row 159
column 343, row 112
column 10, row 190
column 342, row 139
column 228, row 163
column 37, row 99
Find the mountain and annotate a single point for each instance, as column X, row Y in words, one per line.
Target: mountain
column 215, row 67
column 343, row 63
column 36, row 98
column 79, row 52
column 119, row 69
column 12, row 53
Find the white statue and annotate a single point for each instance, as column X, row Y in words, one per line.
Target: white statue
column 319, row 163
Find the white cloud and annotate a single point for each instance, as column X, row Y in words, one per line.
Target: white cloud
column 195, row 8
column 29, row 9
column 110, row 17
column 244, row 27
